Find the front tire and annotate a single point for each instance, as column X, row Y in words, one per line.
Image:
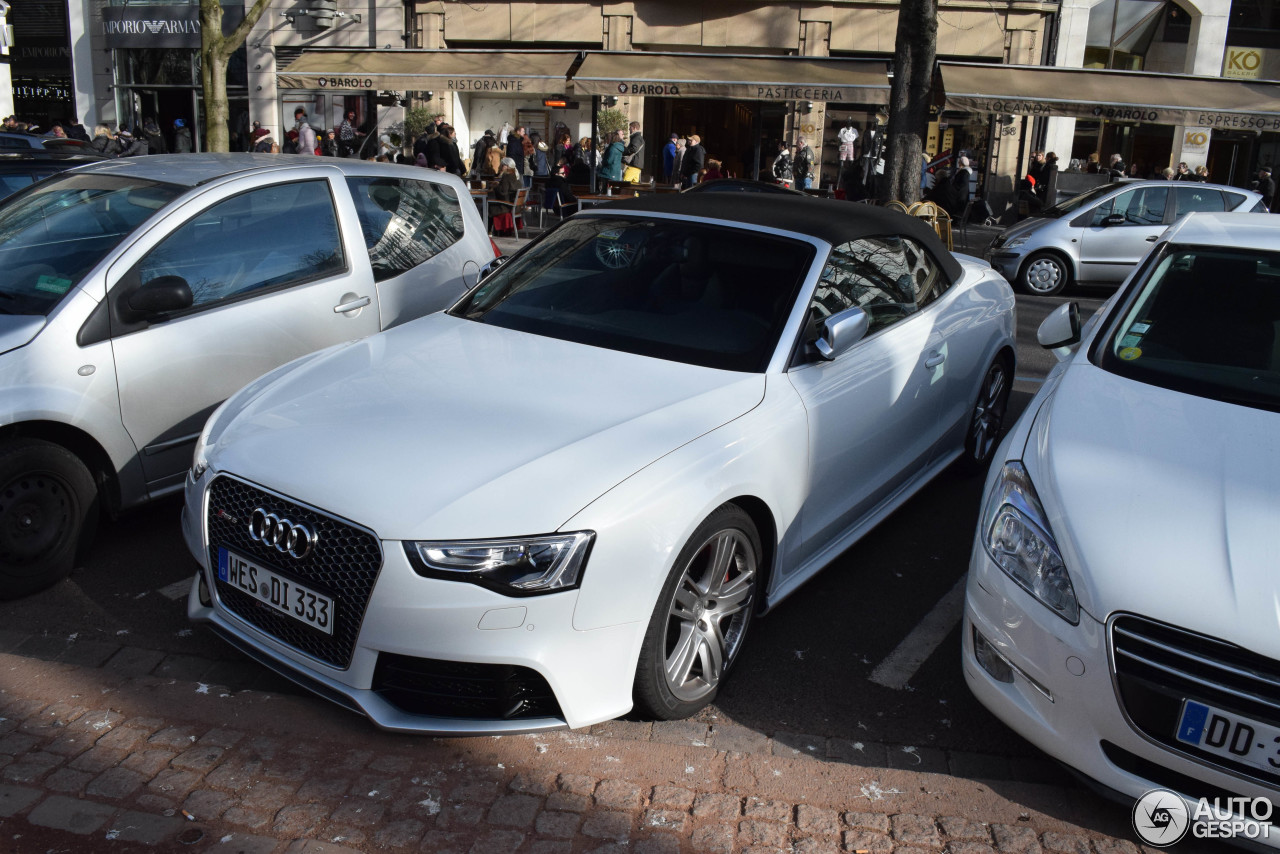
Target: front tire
column 48, row 503
column 701, row 618
column 987, row 418
column 1044, row 275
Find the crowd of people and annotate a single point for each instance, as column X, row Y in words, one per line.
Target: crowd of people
column 144, row 138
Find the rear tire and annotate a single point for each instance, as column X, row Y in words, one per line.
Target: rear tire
column 1044, row 275
column 701, row 618
column 48, row 504
column 987, row 418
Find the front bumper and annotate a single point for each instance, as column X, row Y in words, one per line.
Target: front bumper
column 1062, row 697
column 1005, row 263
column 454, row 625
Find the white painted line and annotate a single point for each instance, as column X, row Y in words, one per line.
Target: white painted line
column 896, row 670
column 176, row 590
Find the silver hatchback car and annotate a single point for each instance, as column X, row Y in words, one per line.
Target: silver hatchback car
column 1100, row 235
column 138, row 294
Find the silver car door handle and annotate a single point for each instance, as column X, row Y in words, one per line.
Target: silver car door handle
column 935, row 360
column 351, row 306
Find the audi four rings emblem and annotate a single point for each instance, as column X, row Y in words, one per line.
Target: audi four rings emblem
column 284, row 535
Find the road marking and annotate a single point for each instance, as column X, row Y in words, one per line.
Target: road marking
column 896, row 670
column 176, row 590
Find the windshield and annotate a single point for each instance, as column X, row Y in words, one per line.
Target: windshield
column 1203, row 323
column 53, row 234
column 699, row 294
column 1075, row 203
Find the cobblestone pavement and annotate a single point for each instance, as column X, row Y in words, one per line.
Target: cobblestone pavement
column 93, row 759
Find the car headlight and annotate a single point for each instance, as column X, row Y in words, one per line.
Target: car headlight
column 524, row 566
column 1016, row 534
column 1015, row 243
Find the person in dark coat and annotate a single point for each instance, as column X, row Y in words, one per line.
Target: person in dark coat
column 134, row 146
column 75, row 130
column 105, row 142
column 583, row 162
column 262, row 141
column 442, row 153
column 633, row 154
column 1266, row 188
column 182, row 138
column 669, row 159
column 155, row 139
column 515, row 149
column 695, row 157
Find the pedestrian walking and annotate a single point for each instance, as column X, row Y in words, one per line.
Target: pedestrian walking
column 182, row 138
column 802, row 165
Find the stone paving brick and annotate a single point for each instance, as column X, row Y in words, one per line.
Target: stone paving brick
column 221, row 737
column 969, row 848
column 1015, row 840
column 514, row 810
column 551, row 846
column 30, row 767
column 297, row 769
column 440, row 842
column 865, row 753
column 739, row 739
column 915, row 830
column 19, row 708
column 375, row 787
column 15, row 799
column 961, row 829
column 149, row 762
column 912, row 849
column 198, row 758
column 911, row 758
column 817, row 821
column 17, row 743
column 399, row 834
column 341, row 834
column 71, row 814
column 681, row 732
column 607, row 824
column 671, row 798
column 764, row 810
column 815, row 845
column 476, row 793
column 978, row 766
column 314, row 846
column 43, row 647
column 248, row 816
column 247, row 843
column 297, row 819
column 618, row 795
column 794, row 744
column 115, row 784
column 460, row 816
column 360, row 814
column 143, row 827
column 7, row 725
column 674, row 821
column 62, row 713
column 322, row 788
column 187, row 668
column 629, row 730
column 717, row 807
column 86, row 653
column 95, row 760
column 172, row 783
column 1115, row 846
column 70, row 744
column 235, row 774
column 1064, row 843
column 714, row 839
column 353, row 760
column 177, row 737
column 11, row 640
column 498, row 842
column 533, row 784
column 153, row 803
column 567, row 802
column 577, row 784
column 68, row 781
column 754, row 832
column 98, row 722
column 269, row 796
column 207, row 805
column 131, row 661
column 659, row 844
column 398, row 765
column 866, row 840
column 559, row 825
column 877, row 821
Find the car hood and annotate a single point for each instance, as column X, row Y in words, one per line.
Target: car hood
column 17, row 330
column 1164, row 504
column 1023, row 228
column 447, row 428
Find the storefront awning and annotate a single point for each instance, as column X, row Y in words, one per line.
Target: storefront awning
column 496, row 72
column 754, row 78
column 1130, row 96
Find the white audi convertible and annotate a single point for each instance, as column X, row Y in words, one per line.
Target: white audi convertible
column 570, row 494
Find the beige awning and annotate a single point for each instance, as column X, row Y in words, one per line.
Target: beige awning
column 1129, row 96
column 752, row 78
column 494, row 72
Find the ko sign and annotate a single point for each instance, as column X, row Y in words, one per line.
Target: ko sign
column 1243, row 62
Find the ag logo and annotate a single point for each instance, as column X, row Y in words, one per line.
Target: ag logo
column 1160, row 818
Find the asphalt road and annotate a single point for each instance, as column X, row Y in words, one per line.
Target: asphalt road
column 806, row 668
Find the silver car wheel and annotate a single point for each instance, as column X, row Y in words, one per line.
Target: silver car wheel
column 708, row 614
column 1044, row 275
column 988, row 414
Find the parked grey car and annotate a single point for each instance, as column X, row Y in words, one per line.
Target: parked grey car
column 1100, row 235
column 138, row 294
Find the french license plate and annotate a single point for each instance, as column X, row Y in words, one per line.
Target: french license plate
column 286, row 596
column 1230, row 736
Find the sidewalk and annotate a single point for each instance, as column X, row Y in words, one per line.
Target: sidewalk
column 92, row 760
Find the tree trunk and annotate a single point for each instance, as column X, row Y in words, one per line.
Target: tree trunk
column 909, row 98
column 215, row 54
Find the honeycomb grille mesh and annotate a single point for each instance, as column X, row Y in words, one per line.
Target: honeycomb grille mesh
column 343, row 565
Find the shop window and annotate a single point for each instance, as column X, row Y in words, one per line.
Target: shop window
column 405, row 221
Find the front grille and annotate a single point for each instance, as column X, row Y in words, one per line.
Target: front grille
column 344, row 565
column 1158, row 666
column 453, row 689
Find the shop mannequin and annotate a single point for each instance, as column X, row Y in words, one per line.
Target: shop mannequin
column 848, row 136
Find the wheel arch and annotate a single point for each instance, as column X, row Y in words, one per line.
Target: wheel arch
column 1058, row 252
column 767, row 528
column 90, row 452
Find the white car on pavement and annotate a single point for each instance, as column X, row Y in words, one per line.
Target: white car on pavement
column 571, row 492
column 1123, row 603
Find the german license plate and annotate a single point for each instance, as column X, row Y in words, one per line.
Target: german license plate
column 284, row 595
column 1230, row 736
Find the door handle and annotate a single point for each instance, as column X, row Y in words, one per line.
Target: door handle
column 935, row 360
column 351, row 306
column 1153, row 238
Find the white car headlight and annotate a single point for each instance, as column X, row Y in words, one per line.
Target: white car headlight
column 1015, row 243
column 523, row 566
column 1016, row 535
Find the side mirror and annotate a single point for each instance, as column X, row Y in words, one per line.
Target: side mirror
column 841, row 331
column 488, row 269
column 1061, row 328
column 162, row 295
column 1113, row 219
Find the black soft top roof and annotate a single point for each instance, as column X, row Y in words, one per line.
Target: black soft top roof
column 832, row 220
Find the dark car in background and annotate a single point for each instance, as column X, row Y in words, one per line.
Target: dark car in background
column 20, row 169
